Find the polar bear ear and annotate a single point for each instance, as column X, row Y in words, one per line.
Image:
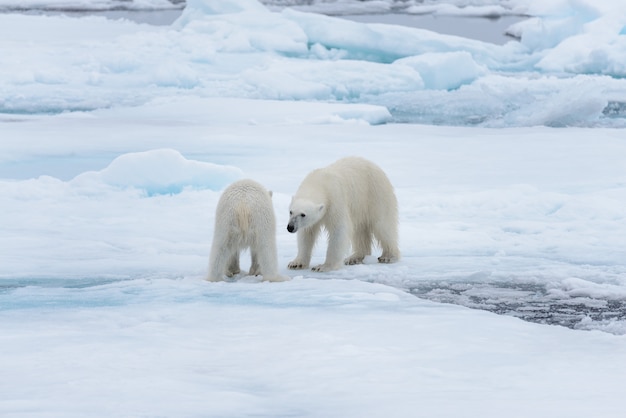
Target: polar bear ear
column 271, row 193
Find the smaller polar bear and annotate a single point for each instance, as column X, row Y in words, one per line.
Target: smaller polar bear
column 244, row 218
column 354, row 201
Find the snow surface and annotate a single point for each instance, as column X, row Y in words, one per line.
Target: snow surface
column 116, row 139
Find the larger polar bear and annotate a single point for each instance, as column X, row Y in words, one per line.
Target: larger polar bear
column 244, row 218
column 354, row 201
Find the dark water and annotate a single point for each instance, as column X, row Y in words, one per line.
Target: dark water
column 150, row 17
column 484, row 29
column 480, row 28
column 531, row 302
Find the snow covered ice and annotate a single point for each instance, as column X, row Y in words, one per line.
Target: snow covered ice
column 567, row 69
column 117, row 138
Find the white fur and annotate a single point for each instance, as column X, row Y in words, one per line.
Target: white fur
column 244, row 218
column 354, row 201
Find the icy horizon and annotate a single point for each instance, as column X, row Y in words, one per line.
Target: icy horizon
column 567, row 69
column 490, row 8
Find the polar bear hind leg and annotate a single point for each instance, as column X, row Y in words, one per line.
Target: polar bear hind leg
column 263, row 252
column 233, row 265
column 387, row 239
column 264, row 262
column 224, row 261
column 255, row 269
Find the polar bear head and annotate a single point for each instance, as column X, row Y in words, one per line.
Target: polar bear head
column 304, row 213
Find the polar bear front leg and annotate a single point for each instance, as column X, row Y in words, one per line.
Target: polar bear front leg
column 338, row 245
column 306, row 242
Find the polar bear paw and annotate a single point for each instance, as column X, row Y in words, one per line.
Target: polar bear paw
column 297, row 265
column 387, row 259
column 232, row 272
column 354, row 259
column 325, row 267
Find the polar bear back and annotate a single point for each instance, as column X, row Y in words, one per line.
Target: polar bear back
column 245, row 209
column 355, row 184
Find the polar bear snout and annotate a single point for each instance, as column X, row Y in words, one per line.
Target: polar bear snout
column 304, row 214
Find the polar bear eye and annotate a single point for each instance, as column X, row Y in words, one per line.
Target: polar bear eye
column 302, row 215
column 290, row 212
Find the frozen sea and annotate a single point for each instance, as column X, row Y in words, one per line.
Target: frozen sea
column 117, row 136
